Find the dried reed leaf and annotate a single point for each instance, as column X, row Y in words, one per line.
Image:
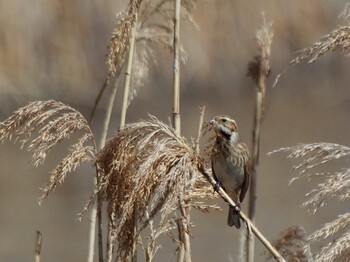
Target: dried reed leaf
column 339, row 39
column 42, row 125
column 293, row 245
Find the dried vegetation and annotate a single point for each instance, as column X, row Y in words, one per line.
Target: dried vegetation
column 334, row 186
column 148, row 168
column 40, row 126
column 145, row 167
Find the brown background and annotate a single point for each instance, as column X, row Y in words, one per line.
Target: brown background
column 56, row 50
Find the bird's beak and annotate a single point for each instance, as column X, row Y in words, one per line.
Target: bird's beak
column 212, row 122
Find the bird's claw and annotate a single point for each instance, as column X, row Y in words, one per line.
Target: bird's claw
column 217, row 186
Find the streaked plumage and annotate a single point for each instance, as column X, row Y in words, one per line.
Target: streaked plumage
column 230, row 163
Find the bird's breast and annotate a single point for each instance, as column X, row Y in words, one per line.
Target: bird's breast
column 230, row 175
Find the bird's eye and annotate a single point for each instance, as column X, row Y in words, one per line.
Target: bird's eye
column 224, row 120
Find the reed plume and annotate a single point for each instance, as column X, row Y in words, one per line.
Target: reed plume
column 293, row 245
column 334, row 186
column 147, row 167
column 120, row 40
column 40, row 126
column 338, row 40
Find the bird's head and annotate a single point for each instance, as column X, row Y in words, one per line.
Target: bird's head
column 225, row 127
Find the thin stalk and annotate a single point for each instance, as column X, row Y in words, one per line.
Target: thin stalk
column 181, row 254
column 255, row 161
column 185, row 249
column 122, row 123
column 262, row 68
column 128, row 76
column 200, row 125
column 98, row 98
column 92, row 232
column 38, row 244
column 250, row 226
column 176, row 86
column 97, row 206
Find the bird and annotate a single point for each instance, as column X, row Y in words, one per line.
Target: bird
column 230, row 163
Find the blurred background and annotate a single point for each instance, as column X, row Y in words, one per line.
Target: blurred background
column 56, row 50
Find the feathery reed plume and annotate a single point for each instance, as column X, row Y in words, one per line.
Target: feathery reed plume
column 336, row 186
column 118, row 47
column 293, row 245
column 329, row 229
column 40, row 126
column 337, row 250
column 314, row 155
column 258, row 70
column 339, row 39
column 148, row 168
column 153, row 25
column 120, row 41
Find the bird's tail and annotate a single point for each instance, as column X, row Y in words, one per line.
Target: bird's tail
column 233, row 218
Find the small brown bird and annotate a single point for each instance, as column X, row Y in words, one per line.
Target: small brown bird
column 230, row 163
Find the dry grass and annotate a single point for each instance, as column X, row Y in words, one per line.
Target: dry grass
column 148, row 168
column 153, row 22
column 40, row 126
column 120, row 40
column 293, row 245
column 339, row 39
column 335, row 186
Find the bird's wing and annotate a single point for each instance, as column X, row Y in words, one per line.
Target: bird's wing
column 246, row 182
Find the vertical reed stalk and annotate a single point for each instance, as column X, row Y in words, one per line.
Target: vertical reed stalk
column 176, row 87
column 255, row 161
column 38, row 243
column 123, row 117
column 97, row 207
column 184, row 252
column 200, row 125
column 92, row 232
column 259, row 70
column 128, row 76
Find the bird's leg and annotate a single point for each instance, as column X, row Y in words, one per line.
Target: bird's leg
column 237, row 208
